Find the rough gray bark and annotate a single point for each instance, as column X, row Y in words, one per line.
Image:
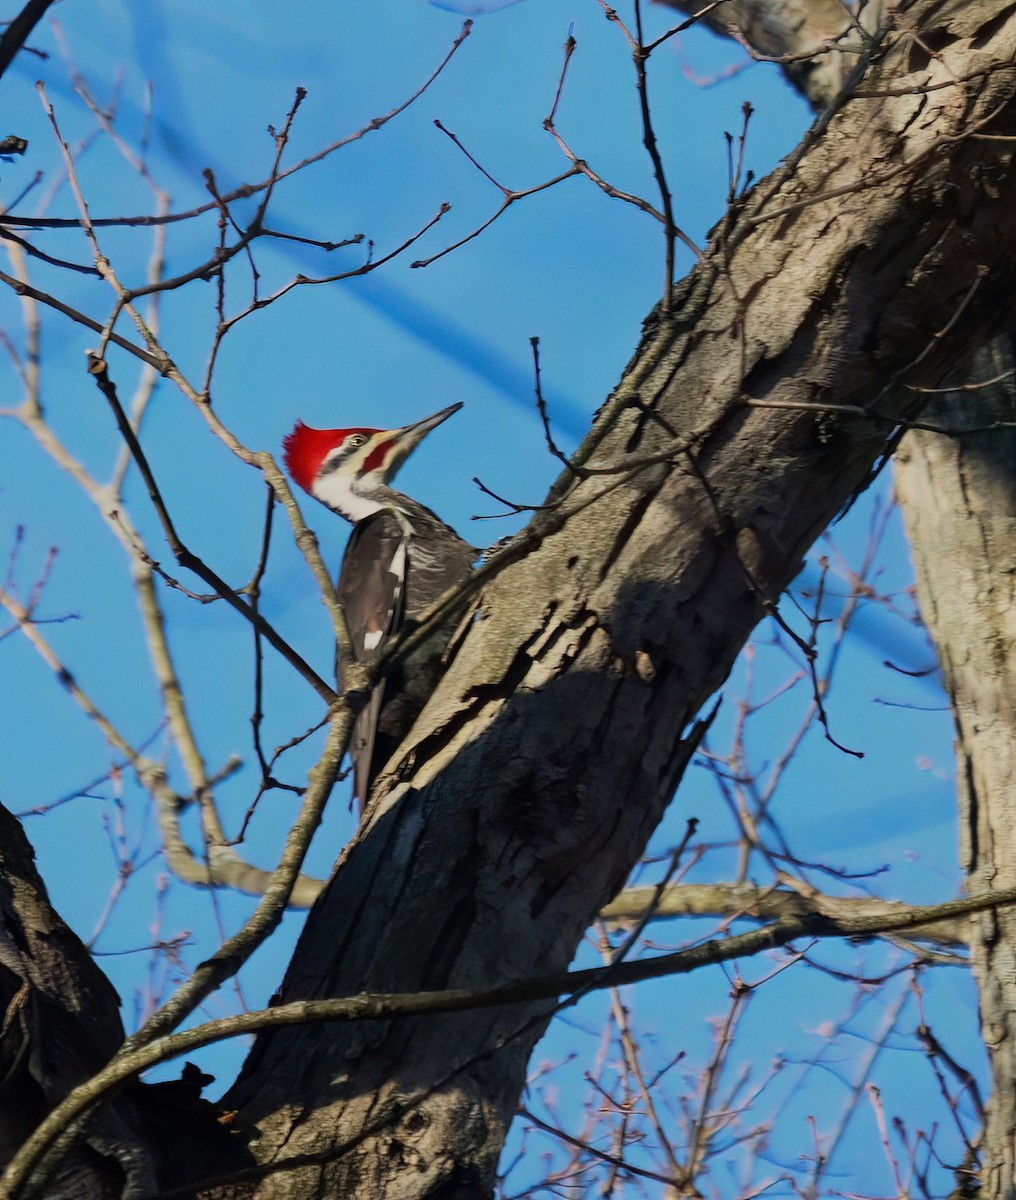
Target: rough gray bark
column 61, row 1019
column 534, row 777
column 959, row 500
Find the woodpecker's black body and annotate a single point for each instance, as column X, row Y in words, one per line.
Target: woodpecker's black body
column 399, row 559
column 389, row 578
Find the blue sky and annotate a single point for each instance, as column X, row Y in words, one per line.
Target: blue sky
column 571, row 266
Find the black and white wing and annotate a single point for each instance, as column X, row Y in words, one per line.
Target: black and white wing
column 372, row 592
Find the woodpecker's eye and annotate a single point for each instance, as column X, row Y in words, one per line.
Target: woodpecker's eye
column 356, row 439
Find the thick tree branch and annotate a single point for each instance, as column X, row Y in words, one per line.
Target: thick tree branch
column 573, row 985
column 766, row 904
column 19, row 30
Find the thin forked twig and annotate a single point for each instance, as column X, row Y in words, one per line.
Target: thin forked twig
column 245, row 191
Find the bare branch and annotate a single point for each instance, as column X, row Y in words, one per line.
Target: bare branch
column 750, row 902
column 19, row 31
column 144, row 1050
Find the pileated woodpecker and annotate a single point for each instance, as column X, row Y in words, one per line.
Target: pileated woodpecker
column 400, row 558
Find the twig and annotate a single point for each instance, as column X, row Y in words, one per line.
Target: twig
column 98, row 369
column 245, row 191
column 21, row 288
column 541, row 408
column 509, row 197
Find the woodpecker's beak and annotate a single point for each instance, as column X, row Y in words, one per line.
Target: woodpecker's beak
column 403, row 441
column 415, row 433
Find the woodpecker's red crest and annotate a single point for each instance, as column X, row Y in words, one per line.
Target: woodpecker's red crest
column 348, row 469
column 304, row 449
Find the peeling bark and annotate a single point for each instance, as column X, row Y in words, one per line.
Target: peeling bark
column 533, row 779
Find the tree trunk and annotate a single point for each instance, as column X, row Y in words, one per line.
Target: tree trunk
column 749, row 415
column 959, row 500
column 958, row 496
